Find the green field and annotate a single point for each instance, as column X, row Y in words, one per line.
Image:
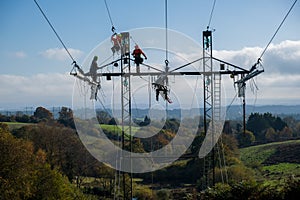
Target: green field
column 260, row 153
column 16, row 125
column 114, row 128
column 273, row 161
column 283, row 169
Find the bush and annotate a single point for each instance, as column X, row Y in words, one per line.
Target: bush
column 242, row 190
column 23, row 118
column 238, row 173
column 292, row 189
column 143, row 192
column 163, row 195
column 219, row 191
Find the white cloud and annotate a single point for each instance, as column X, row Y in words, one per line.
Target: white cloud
column 61, row 54
column 287, row 50
column 244, row 57
column 20, row 54
column 279, row 81
column 279, row 58
column 39, row 89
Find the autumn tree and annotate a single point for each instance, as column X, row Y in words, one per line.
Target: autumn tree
column 271, row 135
column 16, row 170
column 259, row 123
column 245, row 139
column 42, row 114
column 66, row 117
column 25, row 174
column 286, row 133
column 60, row 143
column 103, row 117
column 64, row 150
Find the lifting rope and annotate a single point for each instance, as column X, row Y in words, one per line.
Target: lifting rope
column 161, row 84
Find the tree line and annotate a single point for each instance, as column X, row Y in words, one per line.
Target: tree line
column 49, row 154
column 265, row 127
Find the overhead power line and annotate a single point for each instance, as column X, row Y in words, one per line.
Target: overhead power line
column 277, row 29
column 166, row 29
column 211, row 14
column 54, row 31
column 110, row 19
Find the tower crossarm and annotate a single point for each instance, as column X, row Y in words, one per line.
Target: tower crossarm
column 187, row 73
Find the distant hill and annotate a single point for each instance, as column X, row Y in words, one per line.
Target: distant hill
column 281, row 110
column 234, row 112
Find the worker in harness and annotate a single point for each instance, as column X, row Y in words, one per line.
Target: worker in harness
column 137, row 52
column 93, row 73
column 93, row 69
column 116, row 40
column 161, row 88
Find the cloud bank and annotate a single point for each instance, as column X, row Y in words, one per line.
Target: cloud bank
column 280, row 81
column 61, row 54
column 283, row 58
column 39, row 89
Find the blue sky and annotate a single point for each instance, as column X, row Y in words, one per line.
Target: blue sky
column 34, row 66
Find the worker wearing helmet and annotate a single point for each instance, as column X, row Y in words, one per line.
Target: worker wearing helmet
column 95, row 86
column 116, row 40
column 93, row 69
column 137, row 52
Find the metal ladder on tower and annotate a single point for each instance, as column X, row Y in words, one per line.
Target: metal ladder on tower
column 218, row 118
column 126, row 100
column 217, row 97
column 217, row 124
